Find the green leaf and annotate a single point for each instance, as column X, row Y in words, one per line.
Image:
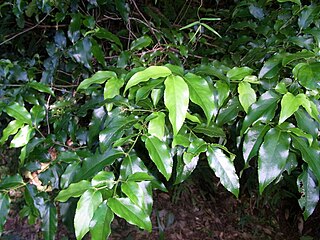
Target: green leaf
column 19, row 113
column 176, row 99
column 102, row 33
column 103, row 179
column 143, row 92
column 273, row 155
column 201, row 94
column 223, row 168
column 22, row 137
column 309, row 154
column 247, row 96
column 74, row 190
column 238, row 73
column 140, row 194
column 69, row 174
column 11, row 129
column 294, row 1
column 123, row 8
column 289, row 105
column 263, row 110
column 98, row 52
column 41, row 87
column 308, row 74
column 156, row 125
column 87, row 205
column 306, row 123
column 98, row 78
column 307, row 16
column 131, row 164
column 230, row 112
column 140, row 43
column 210, row 130
column 112, row 89
column 193, row 118
column 4, row 209
column 126, row 209
column 100, row 224
column 74, row 27
column 81, row 52
column 309, row 190
column 271, row 67
column 37, row 114
column 222, row 92
column 153, row 72
column 290, row 57
column 9, row 182
column 49, row 221
column 140, row 176
column 160, row 155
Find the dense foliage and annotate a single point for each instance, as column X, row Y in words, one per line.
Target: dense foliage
column 104, row 101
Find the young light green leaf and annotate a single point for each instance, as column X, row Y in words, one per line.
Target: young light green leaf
column 153, row 72
column 247, row 96
column 238, row 73
column 98, row 78
column 211, row 29
column 22, row 137
column 4, row 209
column 156, row 125
column 126, row 209
column 201, row 94
column 309, row 190
column 100, row 224
column 19, row 112
column 273, row 155
column 112, row 89
column 160, row 155
column 223, row 168
column 87, row 205
column 193, row 118
column 41, row 87
column 74, row 190
column 103, row 179
column 289, row 105
column 176, row 99
column 11, row 129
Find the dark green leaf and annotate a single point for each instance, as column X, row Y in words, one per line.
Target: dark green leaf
column 238, row 73
column 102, row 33
column 140, row 43
column 74, row 27
column 131, row 164
column 273, row 155
column 19, row 112
column 211, row 130
column 307, row 16
column 308, row 74
column 87, row 205
column 9, row 182
column 294, row 1
column 98, row 78
column 69, row 174
column 74, row 190
column 230, row 112
column 82, row 52
column 49, row 221
column 306, row 123
column 98, row 52
column 290, row 57
column 271, row 67
column 126, row 209
column 4, row 209
column 41, row 87
column 256, row 11
column 123, row 8
column 37, row 114
column 143, row 92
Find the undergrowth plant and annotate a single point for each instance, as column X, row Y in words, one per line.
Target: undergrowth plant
column 99, row 123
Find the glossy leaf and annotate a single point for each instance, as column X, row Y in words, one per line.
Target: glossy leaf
column 309, row 190
column 49, row 221
column 37, row 114
column 41, row 87
column 294, row 1
column 201, row 94
column 97, row 52
column 126, row 209
column 230, row 112
column 176, row 99
column 22, row 137
column 112, row 89
column 4, row 209
column 86, row 206
column 156, row 125
column 153, row 72
column 140, row 43
column 19, row 112
column 14, row 181
column 144, row 91
column 273, row 155
column 160, row 155
column 100, row 224
column 102, row 33
column 263, row 110
column 103, row 179
column 74, row 190
column 238, row 73
column 223, row 168
column 98, row 78
column 12, row 128
column 306, row 123
column 271, row 67
column 69, row 174
column 289, row 105
column 74, row 27
column 308, row 74
column 307, row 16
column 222, row 92
column 131, row 164
column 247, row 96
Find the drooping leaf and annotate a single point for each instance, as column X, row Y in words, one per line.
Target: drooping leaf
column 74, row 190
column 247, row 96
column 309, row 190
column 98, row 78
column 126, row 209
column 223, row 168
column 160, row 155
column 14, row 181
column 87, row 205
column 102, row 179
column 22, row 137
column 140, row 43
column 4, row 209
column 156, row 125
column 12, row 128
column 49, row 221
column 153, row 72
column 176, row 99
column 201, row 94
column 271, row 67
column 100, row 224
column 263, row 110
column 273, row 155
column 18, row 112
column 238, row 73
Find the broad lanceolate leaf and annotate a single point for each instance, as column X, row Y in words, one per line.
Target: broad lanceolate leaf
column 4, row 209
column 112, row 89
column 309, row 190
column 176, row 99
column 160, row 155
column 289, row 105
column 271, row 67
column 309, row 154
column 223, row 168
column 156, row 125
column 126, row 209
column 238, row 73
column 100, row 224
column 308, row 74
column 99, row 78
column 247, row 95
column 87, row 205
column 12, row 128
column 140, row 43
column 11, row 182
column 22, row 137
column 49, row 221
column 262, row 110
column 41, row 87
column 131, row 164
column 273, row 155
column 74, row 190
column 19, row 112
column 153, row 72
column 307, row 15
column 201, row 94
column 221, row 92
column 102, row 179
column 38, row 113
